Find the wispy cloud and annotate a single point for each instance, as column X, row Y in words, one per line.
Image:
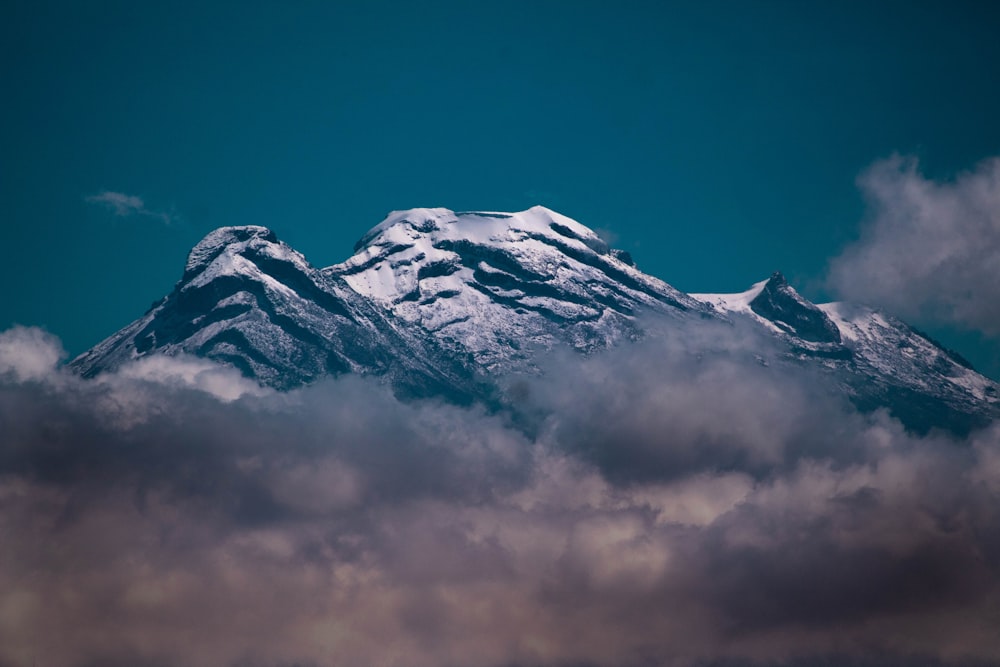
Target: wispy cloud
column 124, row 206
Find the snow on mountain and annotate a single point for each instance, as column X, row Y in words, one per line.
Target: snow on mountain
column 501, row 286
column 889, row 346
column 882, row 361
column 437, row 302
column 251, row 301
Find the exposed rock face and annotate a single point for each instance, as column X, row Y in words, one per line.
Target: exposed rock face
column 783, row 306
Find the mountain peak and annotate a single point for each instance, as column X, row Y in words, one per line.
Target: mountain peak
column 405, row 226
column 498, row 284
column 781, row 304
column 216, row 242
column 776, row 302
column 777, row 280
column 412, row 219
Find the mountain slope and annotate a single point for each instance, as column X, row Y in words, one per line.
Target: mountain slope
column 881, row 361
column 251, row 301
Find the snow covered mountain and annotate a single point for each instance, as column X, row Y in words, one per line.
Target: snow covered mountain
column 501, row 286
column 436, row 301
column 251, row 301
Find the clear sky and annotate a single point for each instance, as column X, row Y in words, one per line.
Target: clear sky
column 716, row 141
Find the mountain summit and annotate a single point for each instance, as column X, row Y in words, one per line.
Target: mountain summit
column 248, row 300
column 779, row 303
column 500, row 286
column 435, row 301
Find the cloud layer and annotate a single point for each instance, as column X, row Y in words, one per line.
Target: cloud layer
column 930, row 250
column 649, row 506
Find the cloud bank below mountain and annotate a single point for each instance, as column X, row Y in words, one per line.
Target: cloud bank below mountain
column 672, row 502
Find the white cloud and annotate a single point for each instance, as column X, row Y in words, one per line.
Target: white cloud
column 929, row 250
column 124, row 206
column 224, row 382
column 28, row 353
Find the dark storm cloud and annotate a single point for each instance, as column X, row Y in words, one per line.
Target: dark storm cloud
column 929, row 249
column 670, row 507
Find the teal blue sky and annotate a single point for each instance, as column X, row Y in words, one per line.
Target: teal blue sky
column 716, row 141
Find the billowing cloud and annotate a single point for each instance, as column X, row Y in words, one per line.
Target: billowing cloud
column 124, row 206
column 929, row 250
column 28, row 353
column 648, row 506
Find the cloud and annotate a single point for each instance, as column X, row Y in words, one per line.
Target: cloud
column 694, row 396
column 28, row 353
column 649, row 505
column 929, row 250
column 124, row 206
